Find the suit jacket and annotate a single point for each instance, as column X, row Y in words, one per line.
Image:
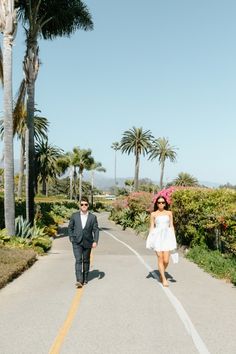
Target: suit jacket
column 87, row 235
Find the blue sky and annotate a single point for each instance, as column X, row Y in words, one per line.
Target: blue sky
column 167, row 66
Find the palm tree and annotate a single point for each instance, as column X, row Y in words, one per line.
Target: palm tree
column 78, row 158
column 19, row 127
column 47, row 19
column 115, row 146
column 8, row 28
column 96, row 166
column 46, row 157
column 185, row 179
column 84, row 161
column 139, row 142
column 129, row 183
column 162, row 150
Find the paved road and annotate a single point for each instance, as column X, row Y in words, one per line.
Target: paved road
column 123, row 309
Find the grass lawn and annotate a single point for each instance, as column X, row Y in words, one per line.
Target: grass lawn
column 13, row 262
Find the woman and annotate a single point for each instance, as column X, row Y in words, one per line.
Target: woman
column 161, row 237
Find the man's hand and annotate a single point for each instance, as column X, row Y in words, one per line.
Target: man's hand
column 94, row 245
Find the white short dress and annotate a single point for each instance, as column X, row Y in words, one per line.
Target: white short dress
column 162, row 236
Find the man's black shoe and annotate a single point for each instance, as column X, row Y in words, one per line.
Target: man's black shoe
column 79, row 284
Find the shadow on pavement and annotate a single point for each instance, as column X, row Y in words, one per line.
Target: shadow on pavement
column 156, row 274
column 95, row 274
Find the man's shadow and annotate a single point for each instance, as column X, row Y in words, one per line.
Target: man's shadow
column 156, row 275
column 93, row 274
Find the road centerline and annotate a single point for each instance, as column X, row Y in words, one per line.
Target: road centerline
column 55, row 348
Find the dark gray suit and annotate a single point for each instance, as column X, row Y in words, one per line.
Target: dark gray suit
column 82, row 240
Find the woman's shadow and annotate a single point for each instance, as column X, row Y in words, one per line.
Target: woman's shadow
column 156, row 275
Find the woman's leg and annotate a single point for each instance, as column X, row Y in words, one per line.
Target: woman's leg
column 161, row 267
column 166, row 258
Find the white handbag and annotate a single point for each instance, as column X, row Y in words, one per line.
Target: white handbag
column 175, row 257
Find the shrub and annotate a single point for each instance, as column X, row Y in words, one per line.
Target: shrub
column 221, row 266
column 205, row 216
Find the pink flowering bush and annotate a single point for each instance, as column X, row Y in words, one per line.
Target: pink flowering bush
column 166, row 193
column 133, row 210
column 139, row 202
column 120, row 203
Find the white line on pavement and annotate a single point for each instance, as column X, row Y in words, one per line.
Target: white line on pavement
column 199, row 344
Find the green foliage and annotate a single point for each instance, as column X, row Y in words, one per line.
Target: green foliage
column 205, row 216
column 141, row 222
column 23, row 228
column 215, row 263
column 139, row 202
column 43, row 242
column 132, row 211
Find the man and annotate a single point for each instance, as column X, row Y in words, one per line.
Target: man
column 83, row 233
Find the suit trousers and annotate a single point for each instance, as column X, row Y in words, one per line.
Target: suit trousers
column 82, row 260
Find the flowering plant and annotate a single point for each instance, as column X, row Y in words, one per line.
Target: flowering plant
column 166, row 193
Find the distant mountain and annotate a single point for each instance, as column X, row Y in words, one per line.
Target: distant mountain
column 209, row 184
column 101, row 181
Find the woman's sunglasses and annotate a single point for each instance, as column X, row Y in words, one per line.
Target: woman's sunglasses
column 161, row 202
column 85, row 204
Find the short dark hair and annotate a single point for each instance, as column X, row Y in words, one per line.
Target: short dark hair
column 84, row 198
column 156, row 203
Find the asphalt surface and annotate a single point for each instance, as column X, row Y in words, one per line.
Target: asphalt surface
column 122, row 310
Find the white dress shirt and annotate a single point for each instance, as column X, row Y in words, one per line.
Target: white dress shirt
column 84, row 218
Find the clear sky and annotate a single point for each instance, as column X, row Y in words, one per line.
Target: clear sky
column 165, row 65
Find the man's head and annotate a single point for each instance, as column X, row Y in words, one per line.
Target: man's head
column 84, row 204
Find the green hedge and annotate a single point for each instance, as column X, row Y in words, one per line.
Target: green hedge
column 205, row 217
column 45, row 207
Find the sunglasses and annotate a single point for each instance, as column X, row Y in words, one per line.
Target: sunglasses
column 84, row 204
column 161, row 202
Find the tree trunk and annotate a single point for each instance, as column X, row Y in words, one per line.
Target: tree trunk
column 31, row 67
column 44, row 186
column 115, row 169
column 162, row 174
column 92, row 184
column 71, row 183
column 80, row 186
column 74, row 179
column 22, row 168
column 30, row 155
column 137, row 163
column 9, row 200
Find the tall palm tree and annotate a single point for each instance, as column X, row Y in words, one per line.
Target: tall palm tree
column 8, row 28
column 96, row 166
column 46, row 157
column 64, row 164
column 115, row 146
column 77, row 159
column 139, row 142
column 185, row 179
column 47, row 19
column 84, row 161
column 162, row 150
